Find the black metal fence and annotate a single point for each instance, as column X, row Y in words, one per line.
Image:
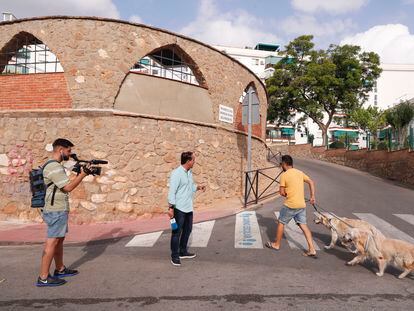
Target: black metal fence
column 259, row 184
column 252, row 193
column 274, row 158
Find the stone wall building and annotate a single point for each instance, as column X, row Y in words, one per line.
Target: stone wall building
column 134, row 95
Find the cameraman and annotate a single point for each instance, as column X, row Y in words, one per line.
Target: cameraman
column 55, row 213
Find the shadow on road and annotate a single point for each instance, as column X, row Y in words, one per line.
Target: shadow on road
column 94, row 249
column 270, row 224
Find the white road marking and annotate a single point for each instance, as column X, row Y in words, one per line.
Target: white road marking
column 295, row 236
column 406, row 217
column 247, row 231
column 386, row 228
column 201, row 233
column 144, row 240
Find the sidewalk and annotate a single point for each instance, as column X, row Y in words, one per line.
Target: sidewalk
column 12, row 232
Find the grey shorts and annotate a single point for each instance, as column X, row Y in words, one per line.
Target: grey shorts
column 57, row 224
column 297, row 214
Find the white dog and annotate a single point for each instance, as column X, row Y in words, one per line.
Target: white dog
column 382, row 250
column 339, row 225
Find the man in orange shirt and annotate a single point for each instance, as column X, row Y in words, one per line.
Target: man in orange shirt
column 294, row 207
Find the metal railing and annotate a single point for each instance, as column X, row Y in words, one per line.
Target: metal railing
column 274, row 158
column 252, row 193
column 29, row 58
column 166, row 63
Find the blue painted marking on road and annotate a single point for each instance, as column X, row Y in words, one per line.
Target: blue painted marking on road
column 247, row 231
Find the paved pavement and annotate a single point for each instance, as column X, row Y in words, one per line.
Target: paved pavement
column 232, row 270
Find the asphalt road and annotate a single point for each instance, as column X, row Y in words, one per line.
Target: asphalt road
column 222, row 277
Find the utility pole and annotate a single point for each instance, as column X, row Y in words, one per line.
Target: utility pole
column 249, row 130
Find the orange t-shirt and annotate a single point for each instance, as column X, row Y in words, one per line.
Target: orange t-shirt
column 293, row 180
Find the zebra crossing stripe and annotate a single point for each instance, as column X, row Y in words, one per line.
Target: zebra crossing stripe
column 406, row 217
column 144, row 240
column 295, row 236
column 247, row 231
column 386, row 228
column 201, row 233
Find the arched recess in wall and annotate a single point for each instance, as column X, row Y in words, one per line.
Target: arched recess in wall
column 166, row 82
column 241, row 121
column 31, row 76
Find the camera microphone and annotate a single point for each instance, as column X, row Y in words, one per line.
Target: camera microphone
column 99, row 162
column 74, row 156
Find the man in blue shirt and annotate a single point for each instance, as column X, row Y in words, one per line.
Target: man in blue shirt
column 180, row 206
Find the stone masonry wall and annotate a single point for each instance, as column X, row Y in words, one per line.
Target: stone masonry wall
column 96, row 54
column 141, row 154
column 395, row 165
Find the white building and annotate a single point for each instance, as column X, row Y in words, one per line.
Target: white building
column 395, row 84
column 260, row 60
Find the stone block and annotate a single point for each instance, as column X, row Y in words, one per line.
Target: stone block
column 119, row 186
column 4, row 160
column 114, row 196
column 120, row 179
column 89, row 206
column 10, row 208
column 98, row 198
column 124, row 207
column 104, row 180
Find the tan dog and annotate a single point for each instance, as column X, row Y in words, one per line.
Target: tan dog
column 382, row 250
column 340, row 225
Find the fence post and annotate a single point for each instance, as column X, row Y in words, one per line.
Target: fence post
column 389, row 139
column 257, row 186
column 245, row 189
column 411, row 139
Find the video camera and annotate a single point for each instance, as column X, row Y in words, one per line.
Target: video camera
column 93, row 170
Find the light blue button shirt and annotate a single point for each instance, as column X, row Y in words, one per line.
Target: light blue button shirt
column 182, row 189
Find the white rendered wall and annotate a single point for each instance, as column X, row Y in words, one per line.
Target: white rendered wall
column 395, row 84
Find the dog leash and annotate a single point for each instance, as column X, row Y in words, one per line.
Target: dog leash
column 317, row 208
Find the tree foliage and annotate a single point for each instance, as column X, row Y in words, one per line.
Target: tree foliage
column 399, row 117
column 320, row 83
column 368, row 119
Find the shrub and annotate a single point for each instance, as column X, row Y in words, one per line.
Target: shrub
column 337, row 145
column 383, row 145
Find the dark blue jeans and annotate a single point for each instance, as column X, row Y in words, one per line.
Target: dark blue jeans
column 180, row 236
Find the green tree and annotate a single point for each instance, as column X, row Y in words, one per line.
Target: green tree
column 399, row 117
column 368, row 119
column 320, row 83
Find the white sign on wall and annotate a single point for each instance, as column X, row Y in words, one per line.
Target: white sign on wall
column 226, row 114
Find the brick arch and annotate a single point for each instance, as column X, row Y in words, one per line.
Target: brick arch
column 30, row 91
column 256, row 128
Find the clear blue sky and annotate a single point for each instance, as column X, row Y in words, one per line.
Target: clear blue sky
column 384, row 26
